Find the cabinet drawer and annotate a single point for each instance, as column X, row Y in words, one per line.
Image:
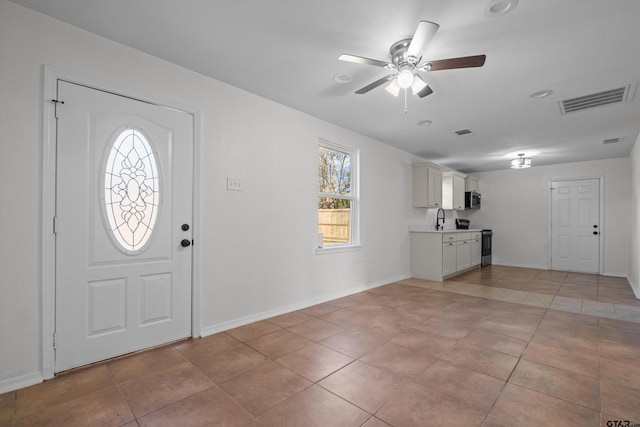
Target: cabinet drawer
column 476, row 235
column 450, row 237
column 463, row 236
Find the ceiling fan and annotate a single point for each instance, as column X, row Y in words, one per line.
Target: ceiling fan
column 406, row 55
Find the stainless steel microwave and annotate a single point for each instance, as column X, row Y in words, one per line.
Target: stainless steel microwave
column 471, row 200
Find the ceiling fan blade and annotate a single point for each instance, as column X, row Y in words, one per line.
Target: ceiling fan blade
column 362, row 60
column 423, row 35
column 375, row 84
column 462, row 62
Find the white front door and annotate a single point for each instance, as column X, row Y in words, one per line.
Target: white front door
column 575, row 225
column 124, row 189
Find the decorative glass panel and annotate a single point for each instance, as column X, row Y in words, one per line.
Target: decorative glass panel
column 131, row 190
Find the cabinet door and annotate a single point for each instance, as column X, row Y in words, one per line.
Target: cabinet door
column 458, row 192
column 427, row 186
column 449, row 258
column 476, row 252
column 434, row 192
column 463, row 255
column 420, row 186
column 471, row 184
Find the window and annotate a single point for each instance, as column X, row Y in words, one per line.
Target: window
column 337, row 195
column 131, row 193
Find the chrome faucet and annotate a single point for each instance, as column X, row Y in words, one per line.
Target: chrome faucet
column 438, row 226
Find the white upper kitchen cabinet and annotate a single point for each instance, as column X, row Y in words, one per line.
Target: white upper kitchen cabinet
column 453, row 186
column 471, row 184
column 427, row 186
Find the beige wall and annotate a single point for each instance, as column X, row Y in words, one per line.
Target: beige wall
column 515, row 204
column 247, row 268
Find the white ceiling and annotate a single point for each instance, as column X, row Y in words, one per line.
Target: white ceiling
column 287, row 51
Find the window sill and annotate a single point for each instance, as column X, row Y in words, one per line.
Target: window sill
column 337, row 249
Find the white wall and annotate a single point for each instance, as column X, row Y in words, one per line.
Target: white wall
column 515, row 204
column 257, row 246
column 634, row 229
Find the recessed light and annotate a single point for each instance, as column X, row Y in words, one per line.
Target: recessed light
column 424, row 123
column 541, row 93
column 342, row 78
column 497, row 8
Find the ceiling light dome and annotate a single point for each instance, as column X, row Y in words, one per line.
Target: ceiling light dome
column 521, row 162
column 405, row 77
column 496, row 8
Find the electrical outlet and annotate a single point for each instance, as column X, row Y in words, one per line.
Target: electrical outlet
column 234, row 184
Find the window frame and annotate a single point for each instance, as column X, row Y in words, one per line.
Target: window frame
column 353, row 197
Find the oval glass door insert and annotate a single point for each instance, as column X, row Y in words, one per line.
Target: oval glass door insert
column 131, row 190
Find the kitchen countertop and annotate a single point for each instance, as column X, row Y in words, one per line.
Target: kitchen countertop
column 431, row 229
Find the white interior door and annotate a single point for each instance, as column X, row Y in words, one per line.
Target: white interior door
column 123, row 213
column 575, row 225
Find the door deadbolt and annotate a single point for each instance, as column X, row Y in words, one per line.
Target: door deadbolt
column 185, row 227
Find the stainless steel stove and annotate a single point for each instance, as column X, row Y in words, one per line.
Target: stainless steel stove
column 486, row 247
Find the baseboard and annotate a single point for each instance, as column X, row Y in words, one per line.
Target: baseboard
column 498, row 263
column 22, row 381
column 225, row 326
column 386, row 282
column 635, row 287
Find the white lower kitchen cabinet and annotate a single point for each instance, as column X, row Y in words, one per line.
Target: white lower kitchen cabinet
column 449, row 258
column 476, row 250
column 463, row 255
column 439, row 255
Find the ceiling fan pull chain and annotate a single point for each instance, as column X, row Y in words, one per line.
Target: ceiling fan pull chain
column 405, row 101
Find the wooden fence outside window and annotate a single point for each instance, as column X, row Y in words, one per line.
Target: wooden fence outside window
column 335, row 225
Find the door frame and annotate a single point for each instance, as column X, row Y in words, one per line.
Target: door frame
column 48, row 255
column 600, row 178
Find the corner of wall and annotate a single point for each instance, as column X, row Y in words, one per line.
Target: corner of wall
column 635, row 287
column 634, row 214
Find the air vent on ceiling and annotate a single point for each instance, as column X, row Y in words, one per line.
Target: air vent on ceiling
column 463, row 132
column 611, row 140
column 606, row 97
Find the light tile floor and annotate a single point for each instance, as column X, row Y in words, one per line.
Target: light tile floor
column 495, row 347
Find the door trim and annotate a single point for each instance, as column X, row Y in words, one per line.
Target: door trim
column 48, row 255
column 600, row 216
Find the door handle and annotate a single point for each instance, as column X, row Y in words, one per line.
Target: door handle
column 595, row 232
column 185, row 243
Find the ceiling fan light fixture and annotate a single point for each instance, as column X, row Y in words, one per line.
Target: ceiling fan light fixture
column 418, row 85
column 521, row 162
column 405, row 77
column 393, row 88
